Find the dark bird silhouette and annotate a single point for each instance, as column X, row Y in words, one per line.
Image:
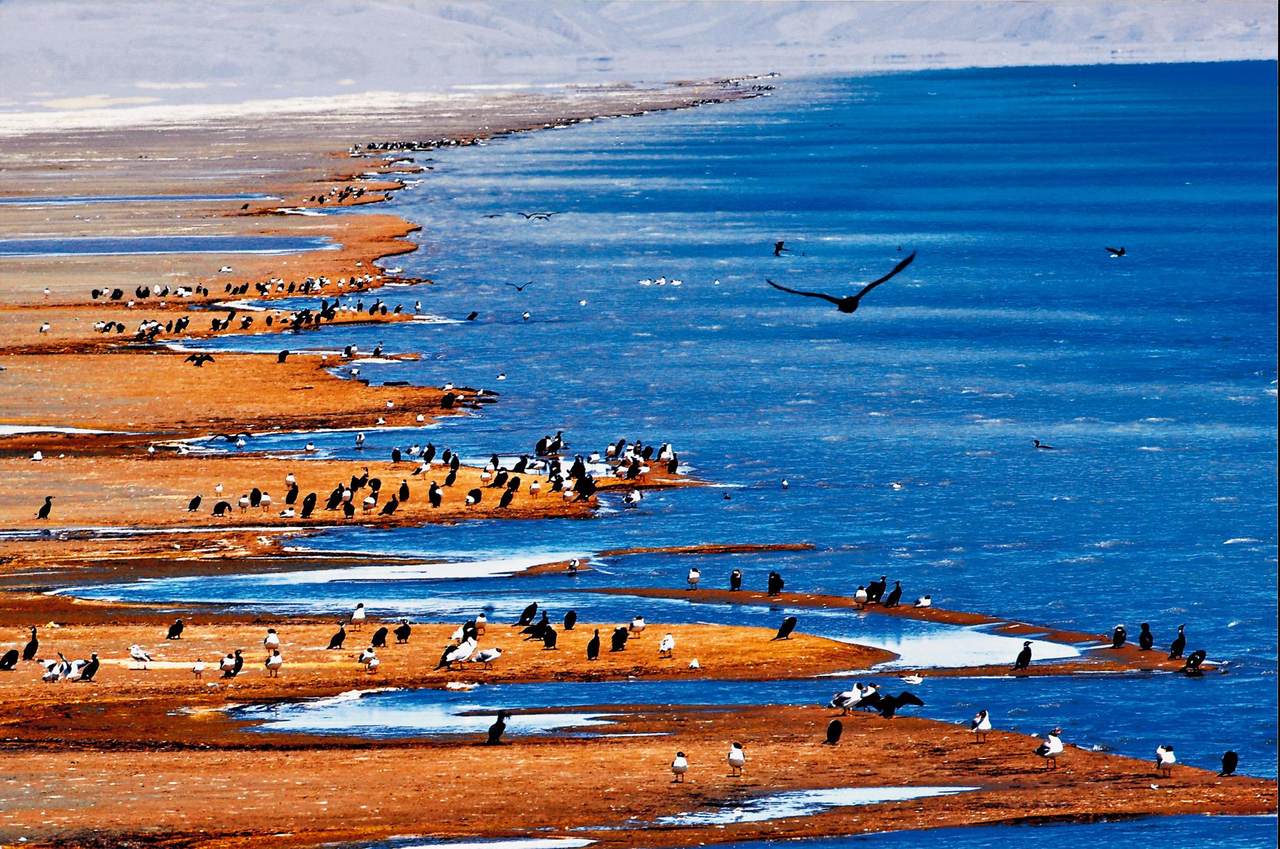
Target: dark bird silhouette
column 735, row 580
column 549, row 638
column 194, row 504
column 1192, row 665
column 1230, row 760
column 497, row 729
column 43, row 513
column 198, row 360
column 222, row 508
column 834, row 729
column 520, row 288
column 890, row 705
column 308, row 505
column 402, row 632
column 570, row 619
column 32, row 646
column 538, row 216
column 536, row 630
column 1043, row 446
column 527, row 616
column 175, row 630
column 9, row 660
column 849, row 303
column 784, row 630
column 775, row 584
column 379, row 638
column 1145, row 638
column 282, row 356
column 618, row 642
column 1116, row 253
column 779, row 248
column 473, row 315
column 1179, row 644
column 1024, row 657
column 90, row 669
column 336, row 641
column 895, row 595
column 593, row 646
column 1118, row 636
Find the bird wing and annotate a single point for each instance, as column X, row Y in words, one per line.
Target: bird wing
column 806, row 294
column 896, row 269
column 1113, row 250
column 905, row 698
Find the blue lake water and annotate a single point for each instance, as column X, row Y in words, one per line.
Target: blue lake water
column 904, row 430
column 119, row 245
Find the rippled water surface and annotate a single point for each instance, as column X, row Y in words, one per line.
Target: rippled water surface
column 904, row 430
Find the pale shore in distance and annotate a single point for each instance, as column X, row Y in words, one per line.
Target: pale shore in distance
column 301, row 790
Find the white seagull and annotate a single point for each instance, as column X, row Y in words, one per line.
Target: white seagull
column 679, row 767
column 980, row 726
column 1051, row 748
column 487, row 657
column 737, row 759
column 136, row 652
column 695, row 575
column 666, row 646
column 1165, row 760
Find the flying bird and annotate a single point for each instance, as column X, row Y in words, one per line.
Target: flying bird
column 849, row 303
column 198, row 360
column 520, row 288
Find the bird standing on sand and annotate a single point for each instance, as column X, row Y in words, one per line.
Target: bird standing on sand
column 679, row 766
column 487, row 657
column 43, row 513
column 1023, row 659
column 197, row 668
column 497, row 729
column 618, row 642
column 1230, row 760
column 666, row 646
column 980, row 725
column 139, row 656
column 402, row 632
column 1118, row 636
column 775, row 584
column 1179, row 644
column 737, row 759
column 895, row 595
column 32, row 646
column 379, row 638
column 357, row 617
column 336, row 641
column 784, row 630
column 924, row 602
column 849, row 303
column 835, row 728
column 175, row 630
column 593, row 646
column 637, row 625
column 1051, row 748
column 1165, row 759
column 861, row 597
column 1145, row 638
column 273, row 663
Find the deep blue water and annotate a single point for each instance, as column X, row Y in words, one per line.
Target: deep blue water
column 904, row 430
column 116, row 245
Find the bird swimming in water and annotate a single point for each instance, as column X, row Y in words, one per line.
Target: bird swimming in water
column 849, row 303
column 1042, row 446
column 1116, row 253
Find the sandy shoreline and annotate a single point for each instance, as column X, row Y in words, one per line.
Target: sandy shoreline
column 113, row 762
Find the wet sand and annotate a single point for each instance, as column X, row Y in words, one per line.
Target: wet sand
column 142, row 756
